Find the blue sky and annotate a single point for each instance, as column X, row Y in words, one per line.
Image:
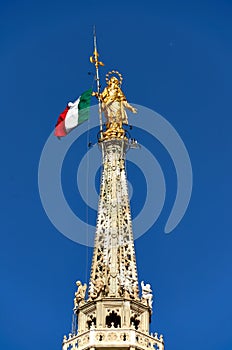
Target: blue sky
column 176, row 59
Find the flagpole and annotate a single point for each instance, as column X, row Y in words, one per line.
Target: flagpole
column 97, row 63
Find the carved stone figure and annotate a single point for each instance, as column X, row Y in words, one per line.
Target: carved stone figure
column 96, row 288
column 80, row 294
column 147, row 295
column 127, row 286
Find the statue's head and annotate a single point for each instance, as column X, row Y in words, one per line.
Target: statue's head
column 78, row 283
column 114, row 81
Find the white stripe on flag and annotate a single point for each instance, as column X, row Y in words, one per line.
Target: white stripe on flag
column 71, row 120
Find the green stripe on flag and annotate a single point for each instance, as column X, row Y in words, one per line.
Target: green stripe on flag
column 84, row 105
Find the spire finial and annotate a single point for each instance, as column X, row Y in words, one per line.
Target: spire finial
column 97, row 63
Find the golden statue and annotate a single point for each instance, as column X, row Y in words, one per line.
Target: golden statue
column 114, row 103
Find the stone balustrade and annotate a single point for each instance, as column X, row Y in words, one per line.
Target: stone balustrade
column 113, row 337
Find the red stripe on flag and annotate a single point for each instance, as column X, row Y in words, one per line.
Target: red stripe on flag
column 60, row 125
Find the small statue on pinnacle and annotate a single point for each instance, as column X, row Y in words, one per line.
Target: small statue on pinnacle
column 80, row 294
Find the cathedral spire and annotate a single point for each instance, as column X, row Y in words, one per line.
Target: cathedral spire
column 113, row 313
column 114, row 271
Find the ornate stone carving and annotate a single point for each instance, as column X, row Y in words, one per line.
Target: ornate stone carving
column 114, row 256
column 96, row 288
column 121, row 338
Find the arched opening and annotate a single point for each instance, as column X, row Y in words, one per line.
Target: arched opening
column 134, row 320
column 113, row 319
column 91, row 321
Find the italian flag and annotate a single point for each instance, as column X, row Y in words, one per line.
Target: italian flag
column 74, row 114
